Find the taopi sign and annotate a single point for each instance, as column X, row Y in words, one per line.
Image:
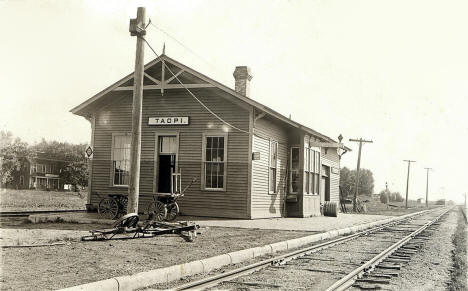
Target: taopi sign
column 181, row 120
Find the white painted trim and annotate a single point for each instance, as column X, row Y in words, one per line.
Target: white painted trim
column 157, row 134
column 270, row 141
column 203, row 171
column 165, row 86
column 290, row 167
column 111, row 180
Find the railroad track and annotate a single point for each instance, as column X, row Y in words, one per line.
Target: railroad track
column 362, row 260
column 27, row 213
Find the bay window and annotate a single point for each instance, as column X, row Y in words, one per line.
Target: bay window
column 294, row 170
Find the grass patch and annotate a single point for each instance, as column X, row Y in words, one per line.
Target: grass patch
column 374, row 206
column 459, row 255
column 23, row 200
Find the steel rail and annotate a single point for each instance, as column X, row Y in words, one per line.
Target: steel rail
column 27, row 213
column 348, row 280
column 216, row 279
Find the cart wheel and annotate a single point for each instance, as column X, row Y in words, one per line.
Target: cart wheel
column 108, row 208
column 172, row 211
column 157, row 211
column 128, row 220
column 124, row 204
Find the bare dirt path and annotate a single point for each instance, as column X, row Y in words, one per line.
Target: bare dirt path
column 46, row 268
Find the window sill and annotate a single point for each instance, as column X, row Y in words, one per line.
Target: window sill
column 214, row 189
column 305, row 194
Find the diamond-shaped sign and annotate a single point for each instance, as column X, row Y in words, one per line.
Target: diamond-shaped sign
column 89, row 152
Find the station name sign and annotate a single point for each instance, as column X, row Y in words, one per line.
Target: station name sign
column 181, row 120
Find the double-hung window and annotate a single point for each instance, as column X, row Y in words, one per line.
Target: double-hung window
column 273, row 188
column 120, row 159
column 214, row 161
column 314, row 173
column 307, row 176
column 294, row 171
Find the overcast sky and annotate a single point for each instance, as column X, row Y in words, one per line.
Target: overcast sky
column 392, row 71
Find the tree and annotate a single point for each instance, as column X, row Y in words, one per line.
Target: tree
column 397, row 197
column 13, row 153
column 348, row 182
column 384, row 196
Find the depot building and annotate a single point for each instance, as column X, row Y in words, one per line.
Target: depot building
column 248, row 160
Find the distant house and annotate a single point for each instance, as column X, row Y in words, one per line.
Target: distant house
column 40, row 173
column 44, row 174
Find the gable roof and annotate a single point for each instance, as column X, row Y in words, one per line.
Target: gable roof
column 82, row 108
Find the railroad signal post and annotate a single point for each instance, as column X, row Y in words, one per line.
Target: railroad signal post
column 360, row 141
column 407, row 181
column 427, row 186
column 137, row 28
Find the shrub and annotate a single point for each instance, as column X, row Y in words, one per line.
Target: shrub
column 384, row 197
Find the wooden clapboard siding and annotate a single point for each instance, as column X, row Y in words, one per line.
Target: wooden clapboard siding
column 116, row 117
column 264, row 204
column 331, row 159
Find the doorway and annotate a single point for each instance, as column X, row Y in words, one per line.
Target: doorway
column 167, row 162
column 325, row 182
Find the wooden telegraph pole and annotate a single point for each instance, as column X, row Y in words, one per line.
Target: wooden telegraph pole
column 407, row 181
column 137, row 28
column 360, row 141
column 427, row 186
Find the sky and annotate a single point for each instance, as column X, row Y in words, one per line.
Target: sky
column 394, row 72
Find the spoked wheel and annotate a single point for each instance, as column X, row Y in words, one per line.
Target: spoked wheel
column 108, row 208
column 128, row 220
column 124, row 204
column 172, row 211
column 157, row 211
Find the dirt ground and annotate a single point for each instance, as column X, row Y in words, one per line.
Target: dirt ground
column 45, row 268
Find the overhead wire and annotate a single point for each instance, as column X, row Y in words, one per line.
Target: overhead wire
column 207, row 62
column 195, row 97
column 184, row 46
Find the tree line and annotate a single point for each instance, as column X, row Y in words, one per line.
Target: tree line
column 366, row 185
column 70, row 158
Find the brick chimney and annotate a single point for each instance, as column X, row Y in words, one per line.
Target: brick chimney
column 242, row 76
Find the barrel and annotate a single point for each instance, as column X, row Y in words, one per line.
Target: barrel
column 330, row 209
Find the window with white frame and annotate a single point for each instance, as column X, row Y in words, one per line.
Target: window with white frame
column 121, row 159
column 307, row 170
column 214, row 161
column 314, row 174
column 272, row 188
column 294, row 170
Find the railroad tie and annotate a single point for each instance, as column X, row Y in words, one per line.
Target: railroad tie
column 375, row 281
column 390, row 267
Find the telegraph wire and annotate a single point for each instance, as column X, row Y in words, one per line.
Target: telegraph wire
column 184, row 46
column 206, row 107
column 195, row 97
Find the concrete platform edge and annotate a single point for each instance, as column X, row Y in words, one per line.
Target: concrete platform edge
column 176, row 272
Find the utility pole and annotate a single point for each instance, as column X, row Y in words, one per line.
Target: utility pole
column 137, row 28
column 407, row 181
column 427, row 186
column 360, row 141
